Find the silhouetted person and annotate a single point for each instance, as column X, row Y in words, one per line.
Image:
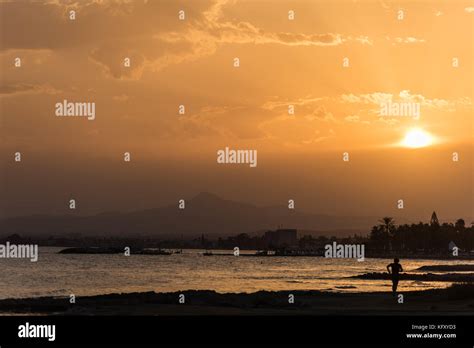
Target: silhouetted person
column 394, row 269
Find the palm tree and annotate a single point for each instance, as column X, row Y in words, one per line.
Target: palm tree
column 460, row 225
column 380, row 234
column 388, row 225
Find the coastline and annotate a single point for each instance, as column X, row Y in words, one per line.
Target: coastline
column 455, row 300
column 257, row 253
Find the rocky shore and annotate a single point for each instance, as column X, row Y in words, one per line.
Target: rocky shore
column 455, row 300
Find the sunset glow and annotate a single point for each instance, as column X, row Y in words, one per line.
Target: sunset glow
column 142, row 103
column 416, row 138
column 172, row 170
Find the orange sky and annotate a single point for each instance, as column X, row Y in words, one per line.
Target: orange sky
column 282, row 62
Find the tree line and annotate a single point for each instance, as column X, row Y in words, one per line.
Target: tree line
column 421, row 236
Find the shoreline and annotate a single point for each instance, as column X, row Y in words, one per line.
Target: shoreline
column 67, row 250
column 432, row 277
column 456, row 300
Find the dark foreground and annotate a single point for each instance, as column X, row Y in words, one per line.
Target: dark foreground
column 455, row 300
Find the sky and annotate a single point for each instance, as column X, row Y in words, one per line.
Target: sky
column 335, row 63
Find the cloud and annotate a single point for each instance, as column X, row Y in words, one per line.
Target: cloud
column 469, row 9
column 312, row 109
column 404, row 96
column 320, row 114
column 113, row 63
column 370, row 98
column 408, row 40
column 372, row 102
column 312, row 122
column 283, row 105
column 363, row 40
column 108, row 31
column 213, row 31
column 27, row 88
column 348, row 108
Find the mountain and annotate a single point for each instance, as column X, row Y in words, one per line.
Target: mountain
column 206, row 214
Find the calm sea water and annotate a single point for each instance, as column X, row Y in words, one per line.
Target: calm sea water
column 61, row 274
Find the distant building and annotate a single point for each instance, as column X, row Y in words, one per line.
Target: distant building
column 281, row 238
column 434, row 219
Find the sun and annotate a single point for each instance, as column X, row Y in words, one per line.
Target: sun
column 416, row 138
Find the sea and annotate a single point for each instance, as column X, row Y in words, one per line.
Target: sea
column 56, row 274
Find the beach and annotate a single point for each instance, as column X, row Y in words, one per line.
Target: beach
column 455, row 300
column 192, row 284
column 83, row 275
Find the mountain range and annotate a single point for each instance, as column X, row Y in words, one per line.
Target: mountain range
column 205, row 214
